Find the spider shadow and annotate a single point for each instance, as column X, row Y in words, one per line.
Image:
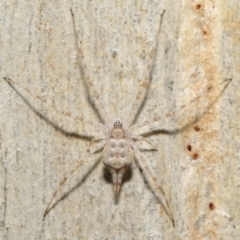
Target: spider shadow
column 126, row 178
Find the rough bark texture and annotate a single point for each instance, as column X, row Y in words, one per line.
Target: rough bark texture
column 197, row 166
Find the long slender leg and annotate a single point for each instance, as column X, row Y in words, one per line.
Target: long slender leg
column 150, row 145
column 146, row 75
column 94, row 140
column 99, row 146
column 50, row 110
column 147, row 125
column 85, row 75
column 147, row 169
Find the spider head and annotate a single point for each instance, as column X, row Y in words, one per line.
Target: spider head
column 118, row 123
column 117, row 131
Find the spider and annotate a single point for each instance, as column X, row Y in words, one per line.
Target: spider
column 119, row 143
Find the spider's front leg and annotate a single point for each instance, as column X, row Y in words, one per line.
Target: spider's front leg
column 145, row 75
column 91, row 89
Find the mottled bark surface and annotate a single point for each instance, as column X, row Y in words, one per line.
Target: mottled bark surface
column 197, row 166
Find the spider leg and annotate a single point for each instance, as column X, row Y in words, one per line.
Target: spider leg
column 94, row 140
column 143, row 139
column 41, row 105
column 87, row 80
column 146, row 75
column 154, row 180
column 99, row 146
column 148, row 126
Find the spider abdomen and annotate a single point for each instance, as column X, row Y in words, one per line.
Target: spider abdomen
column 117, row 154
column 117, row 157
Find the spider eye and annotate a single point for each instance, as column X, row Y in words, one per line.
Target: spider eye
column 118, row 123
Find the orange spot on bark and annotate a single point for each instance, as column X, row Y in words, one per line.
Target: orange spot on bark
column 198, row 6
column 189, row 147
column 197, row 128
column 211, row 206
column 195, row 156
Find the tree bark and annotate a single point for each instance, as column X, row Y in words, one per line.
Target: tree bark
column 197, row 162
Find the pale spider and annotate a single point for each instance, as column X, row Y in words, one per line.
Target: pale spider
column 119, row 143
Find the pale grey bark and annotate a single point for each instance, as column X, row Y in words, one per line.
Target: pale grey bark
column 199, row 45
